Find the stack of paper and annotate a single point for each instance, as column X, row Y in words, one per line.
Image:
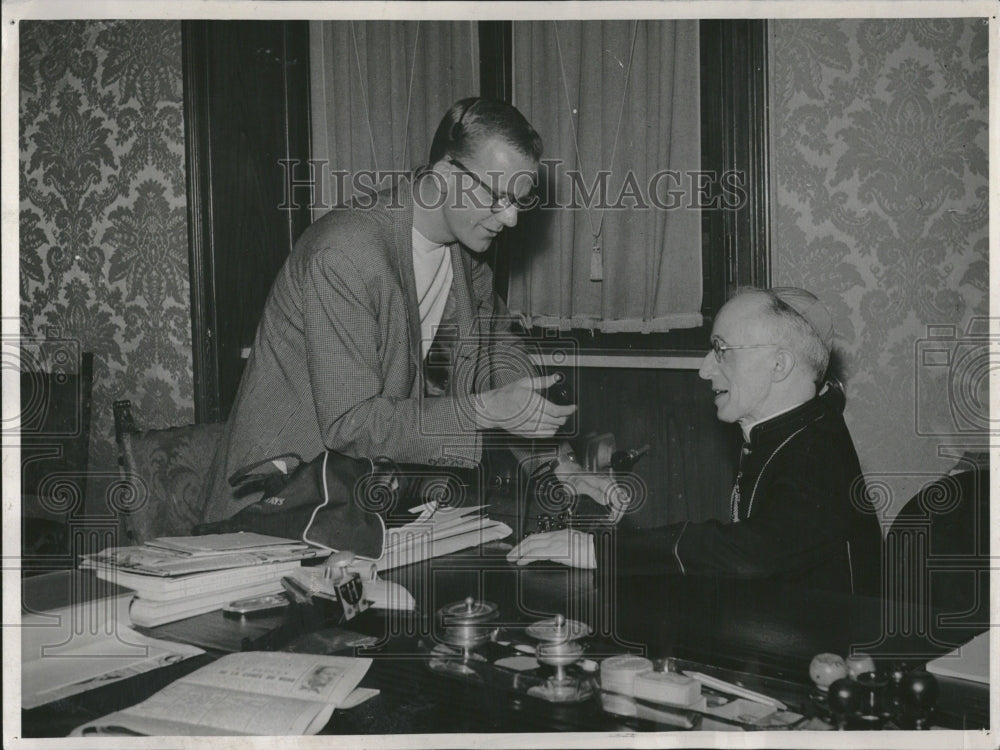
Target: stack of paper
column 968, row 662
column 178, row 577
column 181, row 555
column 438, row 531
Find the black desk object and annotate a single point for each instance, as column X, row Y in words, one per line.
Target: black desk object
column 56, row 383
column 762, row 636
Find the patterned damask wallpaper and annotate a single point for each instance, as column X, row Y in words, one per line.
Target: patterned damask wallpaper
column 879, row 159
column 103, row 221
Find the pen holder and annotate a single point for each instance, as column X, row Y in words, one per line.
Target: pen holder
column 336, row 592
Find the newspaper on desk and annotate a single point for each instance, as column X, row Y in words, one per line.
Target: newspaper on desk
column 435, row 531
column 247, row 693
column 73, row 649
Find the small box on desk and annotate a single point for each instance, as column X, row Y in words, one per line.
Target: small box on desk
column 667, row 687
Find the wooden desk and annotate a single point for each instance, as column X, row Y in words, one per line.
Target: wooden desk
column 763, row 636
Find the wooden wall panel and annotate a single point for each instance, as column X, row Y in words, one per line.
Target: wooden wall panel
column 691, row 465
column 246, row 110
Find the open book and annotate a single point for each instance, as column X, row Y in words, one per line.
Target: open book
column 251, row 693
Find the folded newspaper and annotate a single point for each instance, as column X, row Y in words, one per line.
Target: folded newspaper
column 247, row 693
column 436, row 531
column 82, row 646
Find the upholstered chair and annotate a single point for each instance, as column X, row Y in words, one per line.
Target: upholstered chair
column 166, row 471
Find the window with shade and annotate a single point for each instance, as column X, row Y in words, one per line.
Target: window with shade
column 615, row 244
column 378, row 91
column 653, row 183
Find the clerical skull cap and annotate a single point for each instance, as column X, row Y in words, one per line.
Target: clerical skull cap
column 810, row 308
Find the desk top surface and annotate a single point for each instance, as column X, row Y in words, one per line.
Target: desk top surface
column 761, row 636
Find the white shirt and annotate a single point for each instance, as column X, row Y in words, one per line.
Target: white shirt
column 433, row 273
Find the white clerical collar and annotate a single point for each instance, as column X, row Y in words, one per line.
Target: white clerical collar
column 749, row 425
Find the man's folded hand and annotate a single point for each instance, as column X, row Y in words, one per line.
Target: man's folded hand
column 519, row 409
column 567, row 546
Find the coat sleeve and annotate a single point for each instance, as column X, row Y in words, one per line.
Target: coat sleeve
column 797, row 522
column 343, row 342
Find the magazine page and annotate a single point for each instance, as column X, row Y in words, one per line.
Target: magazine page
column 212, row 544
column 192, row 710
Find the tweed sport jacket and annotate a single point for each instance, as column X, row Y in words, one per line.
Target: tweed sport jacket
column 336, row 362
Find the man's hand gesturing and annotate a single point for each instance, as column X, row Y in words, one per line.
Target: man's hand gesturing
column 519, row 409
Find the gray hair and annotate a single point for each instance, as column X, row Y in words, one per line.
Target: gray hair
column 793, row 332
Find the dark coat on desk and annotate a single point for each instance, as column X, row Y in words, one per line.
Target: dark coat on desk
column 336, row 362
column 802, row 514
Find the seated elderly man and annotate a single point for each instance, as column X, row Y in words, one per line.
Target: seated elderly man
column 799, row 511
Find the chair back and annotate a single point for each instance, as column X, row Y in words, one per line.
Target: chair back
column 167, row 470
column 937, row 553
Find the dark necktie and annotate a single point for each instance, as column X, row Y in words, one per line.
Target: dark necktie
column 440, row 355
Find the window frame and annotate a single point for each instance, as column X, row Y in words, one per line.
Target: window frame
column 734, row 136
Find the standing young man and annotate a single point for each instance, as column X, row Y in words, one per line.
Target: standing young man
column 341, row 356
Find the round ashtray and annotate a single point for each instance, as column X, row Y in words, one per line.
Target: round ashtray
column 468, row 623
column 468, row 612
column 557, row 630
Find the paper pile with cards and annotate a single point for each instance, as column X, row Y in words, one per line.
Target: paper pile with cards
column 178, row 577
